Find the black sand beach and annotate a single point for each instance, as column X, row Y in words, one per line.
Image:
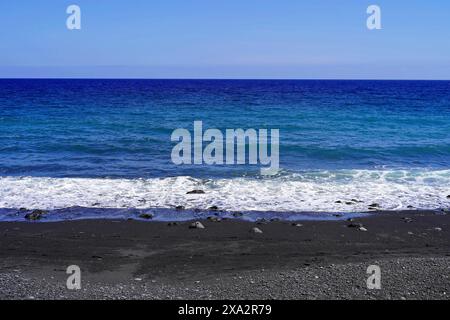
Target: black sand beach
column 152, row 260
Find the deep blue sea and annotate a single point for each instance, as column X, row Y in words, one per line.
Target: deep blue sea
column 106, row 145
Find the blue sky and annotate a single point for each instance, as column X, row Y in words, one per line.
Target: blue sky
column 226, row 39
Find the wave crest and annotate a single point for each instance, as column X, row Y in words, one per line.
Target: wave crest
column 315, row 191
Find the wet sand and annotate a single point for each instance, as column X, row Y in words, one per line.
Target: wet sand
column 151, row 260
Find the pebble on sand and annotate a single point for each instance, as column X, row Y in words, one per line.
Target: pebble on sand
column 362, row 229
column 256, row 230
column 196, row 192
column 196, row 225
column 355, row 225
column 438, row 229
column 407, row 220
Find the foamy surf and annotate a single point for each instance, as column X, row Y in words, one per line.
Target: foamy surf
column 319, row 191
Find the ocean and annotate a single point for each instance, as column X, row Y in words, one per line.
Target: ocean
column 102, row 148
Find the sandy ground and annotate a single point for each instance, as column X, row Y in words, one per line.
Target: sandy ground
column 226, row 260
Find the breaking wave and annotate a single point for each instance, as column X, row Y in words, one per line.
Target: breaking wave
column 314, row 191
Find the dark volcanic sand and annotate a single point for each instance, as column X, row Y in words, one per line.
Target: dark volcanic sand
column 151, row 260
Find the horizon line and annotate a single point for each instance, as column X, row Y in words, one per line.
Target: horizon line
column 220, row 79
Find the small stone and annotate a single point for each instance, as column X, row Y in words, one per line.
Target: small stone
column 355, row 225
column 407, row 220
column 362, row 229
column 214, row 208
column 172, row 224
column 374, row 205
column 410, row 207
column 256, row 230
column 297, row 225
column 196, row 192
column 438, row 229
column 179, row 208
column 448, row 197
column 214, row 219
column 35, row 215
column 237, row 214
column 146, row 216
column 196, row 225
column 339, row 201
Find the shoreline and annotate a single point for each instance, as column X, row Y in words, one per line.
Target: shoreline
column 181, row 214
column 129, row 259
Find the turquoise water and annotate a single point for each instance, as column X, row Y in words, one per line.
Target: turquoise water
column 106, row 144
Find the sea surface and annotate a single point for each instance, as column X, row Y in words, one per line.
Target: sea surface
column 102, row 148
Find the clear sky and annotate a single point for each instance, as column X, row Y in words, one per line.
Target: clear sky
column 226, row 39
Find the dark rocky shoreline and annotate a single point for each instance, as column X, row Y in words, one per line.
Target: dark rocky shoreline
column 229, row 259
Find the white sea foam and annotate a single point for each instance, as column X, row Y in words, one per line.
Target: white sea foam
column 299, row 192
